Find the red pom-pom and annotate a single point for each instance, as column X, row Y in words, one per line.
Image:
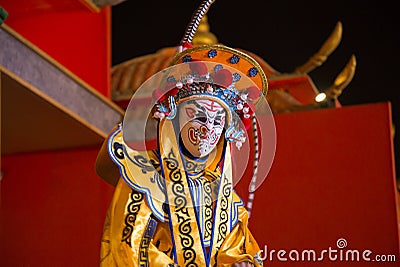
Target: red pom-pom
column 199, row 67
column 158, row 94
column 223, row 78
column 253, row 92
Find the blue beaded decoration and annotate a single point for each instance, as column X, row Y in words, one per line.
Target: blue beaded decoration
column 253, row 72
column 171, row 79
column 234, row 59
column 187, row 58
column 236, row 77
column 212, row 53
column 217, row 67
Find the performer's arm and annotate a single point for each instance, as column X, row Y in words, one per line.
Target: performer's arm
column 240, row 249
column 105, row 167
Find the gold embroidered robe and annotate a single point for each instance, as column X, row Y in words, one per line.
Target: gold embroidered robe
column 140, row 230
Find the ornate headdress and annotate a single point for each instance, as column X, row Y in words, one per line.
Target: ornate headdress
column 225, row 75
column 215, row 81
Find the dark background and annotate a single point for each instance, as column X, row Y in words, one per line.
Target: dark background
column 285, row 34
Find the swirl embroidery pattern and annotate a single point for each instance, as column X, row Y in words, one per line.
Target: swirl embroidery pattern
column 208, row 210
column 118, row 150
column 132, row 211
column 180, row 209
column 224, row 202
column 223, row 215
column 194, row 167
column 142, row 162
column 145, row 243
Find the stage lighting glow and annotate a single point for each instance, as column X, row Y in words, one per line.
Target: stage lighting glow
column 320, row 97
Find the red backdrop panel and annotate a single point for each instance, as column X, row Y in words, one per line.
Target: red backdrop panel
column 332, row 178
column 53, row 207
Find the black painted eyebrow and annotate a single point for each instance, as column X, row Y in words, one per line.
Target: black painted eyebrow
column 199, row 107
column 220, row 112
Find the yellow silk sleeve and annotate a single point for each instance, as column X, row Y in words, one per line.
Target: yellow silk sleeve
column 113, row 251
column 161, row 247
column 134, row 250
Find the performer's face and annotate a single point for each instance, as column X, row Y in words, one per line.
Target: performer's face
column 201, row 123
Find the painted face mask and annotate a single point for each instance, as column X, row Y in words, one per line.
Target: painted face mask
column 201, row 123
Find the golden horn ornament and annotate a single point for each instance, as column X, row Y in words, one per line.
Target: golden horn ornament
column 342, row 80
